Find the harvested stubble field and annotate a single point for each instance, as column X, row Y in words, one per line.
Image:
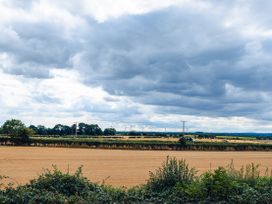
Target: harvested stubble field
column 236, row 141
column 116, row 167
column 174, row 139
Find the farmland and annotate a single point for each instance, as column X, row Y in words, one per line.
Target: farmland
column 116, row 167
column 219, row 139
column 104, row 167
column 15, row 133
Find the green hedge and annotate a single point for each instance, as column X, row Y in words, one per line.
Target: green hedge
column 143, row 145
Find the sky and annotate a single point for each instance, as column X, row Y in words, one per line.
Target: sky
column 138, row 64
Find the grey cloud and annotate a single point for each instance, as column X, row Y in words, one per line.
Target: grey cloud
column 35, row 48
column 45, row 99
column 29, row 70
column 20, row 3
column 106, row 112
column 179, row 58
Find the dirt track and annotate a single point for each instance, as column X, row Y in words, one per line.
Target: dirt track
column 118, row 167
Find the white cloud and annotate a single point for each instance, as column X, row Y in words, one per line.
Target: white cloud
column 146, row 63
column 13, row 93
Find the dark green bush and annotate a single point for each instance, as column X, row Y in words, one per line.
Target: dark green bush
column 217, row 185
column 63, row 183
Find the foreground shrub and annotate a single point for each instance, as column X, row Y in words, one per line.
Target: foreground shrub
column 64, row 183
column 171, row 173
column 217, row 185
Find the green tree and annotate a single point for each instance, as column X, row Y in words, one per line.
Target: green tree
column 94, row 129
column 33, row 128
column 42, row 130
column 17, row 130
column 12, row 127
column 110, row 131
column 24, row 135
column 86, row 129
column 62, row 130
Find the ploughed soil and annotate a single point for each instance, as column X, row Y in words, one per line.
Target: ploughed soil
column 115, row 167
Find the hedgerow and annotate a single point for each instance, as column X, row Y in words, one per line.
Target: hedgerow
column 141, row 144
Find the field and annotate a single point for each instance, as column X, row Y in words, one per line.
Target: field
column 219, row 139
column 238, row 141
column 116, row 167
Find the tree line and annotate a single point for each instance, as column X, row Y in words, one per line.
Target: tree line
column 17, row 128
column 80, row 129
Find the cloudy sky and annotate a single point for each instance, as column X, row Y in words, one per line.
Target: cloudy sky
column 138, row 64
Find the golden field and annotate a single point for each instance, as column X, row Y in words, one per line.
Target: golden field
column 115, row 167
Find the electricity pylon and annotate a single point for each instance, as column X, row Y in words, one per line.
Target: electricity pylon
column 183, row 126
